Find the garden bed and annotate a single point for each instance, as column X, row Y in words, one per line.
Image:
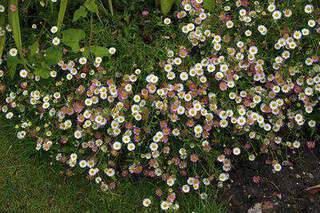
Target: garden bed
column 202, row 100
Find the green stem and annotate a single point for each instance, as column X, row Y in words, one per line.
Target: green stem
column 91, row 31
column 103, row 8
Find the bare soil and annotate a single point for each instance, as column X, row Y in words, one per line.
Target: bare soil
column 255, row 188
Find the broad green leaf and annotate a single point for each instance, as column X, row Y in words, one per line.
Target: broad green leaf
column 34, row 48
column 62, row 12
column 53, row 55
column 13, row 16
column 72, row 37
column 12, row 62
column 208, row 4
column 91, row 6
column 99, row 51
column 166, row 6
column 42, row 72
column 81, row 12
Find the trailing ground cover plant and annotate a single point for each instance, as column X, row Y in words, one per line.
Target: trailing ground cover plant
column 241, row 80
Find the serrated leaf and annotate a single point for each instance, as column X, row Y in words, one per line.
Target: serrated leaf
column 42, row 72
column 12, row 62
column 34, row 48
column 166, row 6
column 91, row 6
column 53, row 55
column 99, row 51
column 79, row 13
column 72, row 37
column 208, row 4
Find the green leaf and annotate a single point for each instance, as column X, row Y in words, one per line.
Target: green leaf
column 2, row 38
column 15, row 23
column 62, row 12
column 42, row 72
column 86, row 52
column 91, row 6
column 34, row 48
column 81, row 12
column 110, row 7
column 12, row 62
column 72, row 37
column 2, row 44
column 208, row 4
column 99, row 51
column 53, row 55
column 166, row 6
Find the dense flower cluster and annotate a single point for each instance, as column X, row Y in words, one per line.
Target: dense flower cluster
column 247, row 83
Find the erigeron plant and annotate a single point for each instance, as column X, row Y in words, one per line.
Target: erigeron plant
column 247, row 82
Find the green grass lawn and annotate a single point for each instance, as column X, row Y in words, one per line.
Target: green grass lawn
column 28, row 183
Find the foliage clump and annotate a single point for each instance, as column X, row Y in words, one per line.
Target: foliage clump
column 243, row 80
